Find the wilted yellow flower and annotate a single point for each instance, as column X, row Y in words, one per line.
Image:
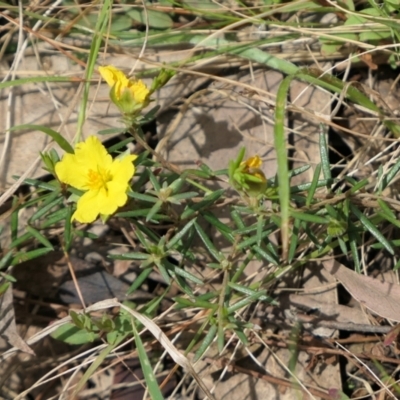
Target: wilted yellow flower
column 252, row 179
column 129, row 94
column 252, row 162
column 104, row 180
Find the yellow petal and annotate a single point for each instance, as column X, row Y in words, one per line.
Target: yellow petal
column 253, row 162
column 123, row 169
column 87, row 208
column 113, row 75
column 92, row 154
column 139, row 91
column 74, row 169
column 115, row 78
column 72, row 173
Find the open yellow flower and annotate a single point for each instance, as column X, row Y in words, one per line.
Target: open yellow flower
column 104, row 180
column 130, row 95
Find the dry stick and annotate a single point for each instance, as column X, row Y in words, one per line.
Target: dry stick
column 71, row 270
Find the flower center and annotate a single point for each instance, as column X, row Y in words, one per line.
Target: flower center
column 98, row 179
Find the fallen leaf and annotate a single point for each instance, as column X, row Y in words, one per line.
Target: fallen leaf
column 8, row 327
column 383, row 298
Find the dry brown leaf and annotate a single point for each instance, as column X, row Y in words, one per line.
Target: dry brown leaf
column 8, row 327
column 383, row 298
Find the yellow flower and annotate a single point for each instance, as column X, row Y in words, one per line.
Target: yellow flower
column 104, row 180
column 252, row 162
column 252, row 178
column 129, row 95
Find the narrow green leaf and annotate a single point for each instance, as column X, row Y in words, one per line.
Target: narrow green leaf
column 39, row 237
column 119, row 145
column 313, row 187
column 385, row 208
column 129, row 256
column 206, row 202
column 6, row 260
column 180, row 234
column 14, row 220
column 68, row 231
column 371, row 228
column 142, row 212
column 152, row 385
column 182, row 196
column 63, row 143
column 299, row 170
column 139, row 280
column 264, row 254
column 224, row 229
column 154, row 210
column 30, row 255
column 154, row 181
column 390, row 175
column 306, row 186
column 187, row 275
column 359, row 185
column 353, row 247
column 294, row 239
column 250, row 292
column 59, row 215
column 316, row 219
column 95, row 365
column 46, row 208
column 183, row 303
column 206, row 343
column 208, row 243
column 142, row 197
column 324, row 154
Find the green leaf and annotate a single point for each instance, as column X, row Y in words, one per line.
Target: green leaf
column 71, row 334
column 63, row 143
column 39, row 237
column 206, row 343
column 152, row 18
column 216, row 223
column 316, row 219
column 142, row 197
column 180, row 234
column 44, row 209
column 324, row 153
column 294, row 240
column 120, row 23
column 371, row 228
column 313, row 187
column 264, row 254
column 206, row 202
column 152, row 386
column 139, row 280
column 154, row 210
column 208, row 243
column 30, row 255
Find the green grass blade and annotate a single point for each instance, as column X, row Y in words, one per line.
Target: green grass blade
column 324, row 153
column 152, row 385
column 99, row 31
column 313, row 187
column 371, row 228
